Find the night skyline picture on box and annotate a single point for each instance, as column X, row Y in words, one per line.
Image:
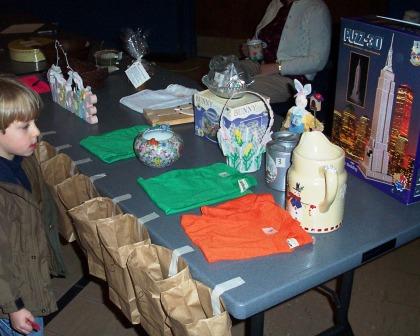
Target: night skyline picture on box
column 376, row 116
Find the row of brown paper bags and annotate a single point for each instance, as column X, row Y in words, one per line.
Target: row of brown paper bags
column 119, row 251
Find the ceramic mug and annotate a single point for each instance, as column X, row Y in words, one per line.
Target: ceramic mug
column 255, row 50
column 107, row 57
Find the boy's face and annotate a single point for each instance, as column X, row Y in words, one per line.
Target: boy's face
column 20, row 139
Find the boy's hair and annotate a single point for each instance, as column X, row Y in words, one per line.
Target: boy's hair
column 17, row 102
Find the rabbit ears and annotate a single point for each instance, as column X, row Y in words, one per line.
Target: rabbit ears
column 302, row 90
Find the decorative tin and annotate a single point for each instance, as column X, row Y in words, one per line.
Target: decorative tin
column 158, row 146
column 277, row 158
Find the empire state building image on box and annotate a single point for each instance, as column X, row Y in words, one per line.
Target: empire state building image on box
column 376, row 158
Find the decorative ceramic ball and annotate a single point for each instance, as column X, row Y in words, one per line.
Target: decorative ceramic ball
column 158, row 146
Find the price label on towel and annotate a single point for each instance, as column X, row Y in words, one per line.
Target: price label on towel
column 137, row 74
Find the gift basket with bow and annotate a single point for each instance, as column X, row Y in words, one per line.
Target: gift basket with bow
column 243, row 145
column 70, row 92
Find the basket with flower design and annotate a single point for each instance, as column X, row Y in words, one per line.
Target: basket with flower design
column 244, row 144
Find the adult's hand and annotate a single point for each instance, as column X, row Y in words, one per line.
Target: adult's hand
column 269, row 69
column 20, row 321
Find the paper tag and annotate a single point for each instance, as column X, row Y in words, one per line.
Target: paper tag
column 280, row 162
column 137, row 74
column 269, row 230
column 243, row 185
column 292, row 242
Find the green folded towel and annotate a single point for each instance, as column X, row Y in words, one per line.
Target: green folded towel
column 185, row 189
column 115, row 145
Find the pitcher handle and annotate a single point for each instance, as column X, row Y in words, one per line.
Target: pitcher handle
column 331, row 187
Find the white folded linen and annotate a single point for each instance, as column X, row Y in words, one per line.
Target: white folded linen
column 174, row 95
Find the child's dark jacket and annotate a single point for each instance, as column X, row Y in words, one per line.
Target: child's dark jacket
column 29, row 245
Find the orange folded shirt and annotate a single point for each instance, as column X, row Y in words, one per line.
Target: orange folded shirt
column 246, row 227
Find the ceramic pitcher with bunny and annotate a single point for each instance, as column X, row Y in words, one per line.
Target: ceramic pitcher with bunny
column 316, row 183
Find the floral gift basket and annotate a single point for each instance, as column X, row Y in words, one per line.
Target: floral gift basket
column 244, row 144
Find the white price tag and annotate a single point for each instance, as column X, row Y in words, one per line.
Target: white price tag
column 137, row 74
column 243, row 185
column 292, row 242
column 280, row 162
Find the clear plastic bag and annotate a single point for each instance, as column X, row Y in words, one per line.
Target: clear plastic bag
column 226, row 77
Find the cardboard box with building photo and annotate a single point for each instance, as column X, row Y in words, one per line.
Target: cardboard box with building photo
column 377, row 106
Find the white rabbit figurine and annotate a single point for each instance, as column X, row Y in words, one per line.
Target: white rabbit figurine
column 298, row 119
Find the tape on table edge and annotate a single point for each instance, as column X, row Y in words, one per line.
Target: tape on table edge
column 82, row 161
column 173, row 267
column 219, row 289
column 147, row 218
column 121, row 198
column 95, row 177
column 59, row 148
column 46, row 133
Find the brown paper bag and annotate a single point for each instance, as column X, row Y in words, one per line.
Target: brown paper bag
column 55, row 171
column 119, row 236
column 75, row 190
column 148, row 266
column 190, row 311
column 44, row 151
column 85, row 218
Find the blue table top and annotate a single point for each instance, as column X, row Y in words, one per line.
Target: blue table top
column 371, row 219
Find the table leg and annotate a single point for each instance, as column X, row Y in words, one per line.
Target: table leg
column 254, row 325
column 342, row 303
column 68, row 296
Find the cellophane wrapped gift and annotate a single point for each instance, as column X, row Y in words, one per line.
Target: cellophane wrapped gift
column 86, row 217
column 190, row 310
column 226, row 77
column 119, row 236
column 135, row 44
column 56, row 170
column 149, row 268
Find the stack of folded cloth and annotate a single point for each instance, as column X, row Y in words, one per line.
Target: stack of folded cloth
column 174, row 95
column 185, row 189
column 115, row 145
column 249, row 226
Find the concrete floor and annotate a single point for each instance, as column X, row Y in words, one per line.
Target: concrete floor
column 385, row 302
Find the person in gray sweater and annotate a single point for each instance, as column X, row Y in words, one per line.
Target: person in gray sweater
column 297, row 34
